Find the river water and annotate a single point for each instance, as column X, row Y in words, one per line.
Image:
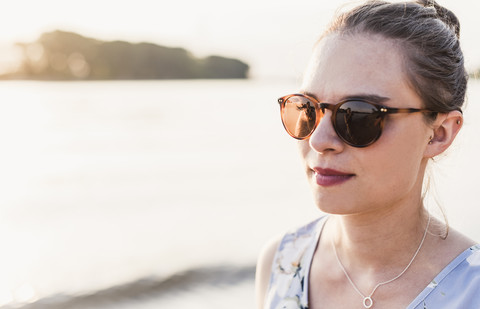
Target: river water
column 159, row 194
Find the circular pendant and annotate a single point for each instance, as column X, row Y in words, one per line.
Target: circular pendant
column 367, row 302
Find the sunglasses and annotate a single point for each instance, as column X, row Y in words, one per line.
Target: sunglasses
column 357, row 122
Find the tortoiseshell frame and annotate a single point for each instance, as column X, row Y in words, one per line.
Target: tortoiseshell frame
column 319, row 107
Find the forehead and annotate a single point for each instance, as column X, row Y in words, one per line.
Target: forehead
column 355, row 63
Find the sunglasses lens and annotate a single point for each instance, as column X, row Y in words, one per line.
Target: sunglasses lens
column 299, row 116
column 358, row 123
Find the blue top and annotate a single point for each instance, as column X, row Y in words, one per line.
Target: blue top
column 456, row 286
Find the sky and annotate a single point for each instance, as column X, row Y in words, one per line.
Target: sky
column 274, row 37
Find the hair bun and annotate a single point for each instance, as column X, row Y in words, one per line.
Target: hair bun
column 444, row 15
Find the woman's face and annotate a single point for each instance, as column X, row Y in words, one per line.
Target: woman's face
column 349, row 180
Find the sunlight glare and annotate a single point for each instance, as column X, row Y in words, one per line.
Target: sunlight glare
column 5, row 295
column 10, row 58
column 78, row 66
column 25, row 294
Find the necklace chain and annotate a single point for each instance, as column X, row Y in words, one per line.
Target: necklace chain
column 367, row 300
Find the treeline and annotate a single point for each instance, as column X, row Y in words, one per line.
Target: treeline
column 63, row 55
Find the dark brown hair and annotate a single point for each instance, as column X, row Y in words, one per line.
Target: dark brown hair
column 429, row 35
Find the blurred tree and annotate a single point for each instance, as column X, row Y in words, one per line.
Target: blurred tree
column 63, row 55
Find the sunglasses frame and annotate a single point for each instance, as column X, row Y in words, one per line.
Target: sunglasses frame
column 334, row 107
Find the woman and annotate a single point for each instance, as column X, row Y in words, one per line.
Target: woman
column 382, row 95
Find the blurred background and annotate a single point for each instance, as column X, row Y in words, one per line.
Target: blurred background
column 143, row 161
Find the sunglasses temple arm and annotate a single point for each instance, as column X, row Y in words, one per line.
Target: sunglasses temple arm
column 393, row 110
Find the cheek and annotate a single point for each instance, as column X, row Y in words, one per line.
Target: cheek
column 395, row 170
column 303, row 148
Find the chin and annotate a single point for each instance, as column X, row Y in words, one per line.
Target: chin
column 335, row 207
column 334, row 210
column 335, row 204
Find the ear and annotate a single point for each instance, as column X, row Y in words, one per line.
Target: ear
column 445, row 128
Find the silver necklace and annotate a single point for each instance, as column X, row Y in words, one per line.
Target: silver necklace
column 367, row 300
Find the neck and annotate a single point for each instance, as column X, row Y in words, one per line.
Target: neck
column 384, row 240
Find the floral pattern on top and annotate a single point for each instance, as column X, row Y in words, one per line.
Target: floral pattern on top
column 289, row 281
column 456, row 286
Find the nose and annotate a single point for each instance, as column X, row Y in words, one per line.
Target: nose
column 324, row 139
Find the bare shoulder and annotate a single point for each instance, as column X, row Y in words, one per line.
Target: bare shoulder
column 459, row 242
column 447, row 249
column 263, row 272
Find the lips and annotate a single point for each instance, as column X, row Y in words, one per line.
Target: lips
column 326, row 177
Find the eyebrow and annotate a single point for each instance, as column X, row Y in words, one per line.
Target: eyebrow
column 372, row 98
